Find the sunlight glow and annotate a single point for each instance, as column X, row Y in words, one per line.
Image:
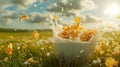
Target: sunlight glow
column 112, row 10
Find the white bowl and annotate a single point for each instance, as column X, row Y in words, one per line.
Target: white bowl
column 70, row 50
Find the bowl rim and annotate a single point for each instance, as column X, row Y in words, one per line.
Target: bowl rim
column 63, row 40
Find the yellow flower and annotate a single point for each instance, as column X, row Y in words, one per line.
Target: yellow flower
column 117, row 32
column 98, row 49
column 116, row 52
column 108, row 54
column 1, row 46
column 114, row 43
column 102, row 44
column 110, row 62
column 101, row 52
column 35, row 34
column 55, row 17
column 24, row 46
column 77, row 19
column 6, row 59
column 11, row 37
column 109, row 51
column 9, row 49
column 50, row 47
column 30, row 60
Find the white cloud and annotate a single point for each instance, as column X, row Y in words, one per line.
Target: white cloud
column 43, row 1
column 68, row 5
column 5, row 21
column 4, row 4
column 91, row 19
column 36, row 17
column 22, row 4
column 69, row 14
column 7, row 17
column 10, row 14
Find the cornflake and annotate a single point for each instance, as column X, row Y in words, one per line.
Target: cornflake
column 55, row 17
column 75, row 31
column 23, row 17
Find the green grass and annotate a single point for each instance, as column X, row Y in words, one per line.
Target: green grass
column 32, row 49
column 24, row 35
column 41, row 50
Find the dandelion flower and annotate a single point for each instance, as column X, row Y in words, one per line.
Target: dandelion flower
column 110, row 62
column 25, row 63
column 42, row 48
column 48, row 54
column 98, row 49
column 30, row 60
column 114, row 43
column 18, row 48
column 94, row 61
column 101, row 52
column 9, row 49
column 50, row 47
column 99, row 60
column 102, row 44
column 11, row 37
column 35, row 34
column 24, row 46
column 5, row 59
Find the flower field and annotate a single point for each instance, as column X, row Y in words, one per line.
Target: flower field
column 21, row 49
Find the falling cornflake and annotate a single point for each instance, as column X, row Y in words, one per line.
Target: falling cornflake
column 23, row 17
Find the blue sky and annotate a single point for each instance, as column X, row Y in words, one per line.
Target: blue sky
column 38, row 10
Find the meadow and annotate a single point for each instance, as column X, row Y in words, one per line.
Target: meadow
column 30, row 52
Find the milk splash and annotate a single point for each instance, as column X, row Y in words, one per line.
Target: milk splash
column 58, row 28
